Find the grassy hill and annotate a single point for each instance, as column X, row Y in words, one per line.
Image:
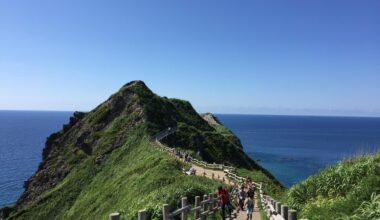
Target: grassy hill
column 102, row 161
column 347, row 190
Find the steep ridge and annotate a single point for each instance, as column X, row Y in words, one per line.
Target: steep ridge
column 102, row 161
column 213, row 121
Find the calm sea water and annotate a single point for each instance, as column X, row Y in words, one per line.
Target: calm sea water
column 295, row 147
column 291, row 147
column 22, row 138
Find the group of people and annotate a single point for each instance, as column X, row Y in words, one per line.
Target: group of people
column 246, row 194
column 244, row 199
column 185, row 156
column 225, row 203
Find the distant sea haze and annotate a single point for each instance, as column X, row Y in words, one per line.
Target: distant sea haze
column 295, row 147
column 291, row 147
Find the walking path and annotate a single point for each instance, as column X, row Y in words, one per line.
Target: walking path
column 220, row 175
column 242, row 215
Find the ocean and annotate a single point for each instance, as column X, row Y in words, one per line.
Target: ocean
column 295, row 147
column 22, row 138
column 291, row 147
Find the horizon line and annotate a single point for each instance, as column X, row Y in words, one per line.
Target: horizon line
column 214, row 113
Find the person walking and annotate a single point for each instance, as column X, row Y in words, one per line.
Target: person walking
column 249, row 205
column 225, row 202
column 241, row 195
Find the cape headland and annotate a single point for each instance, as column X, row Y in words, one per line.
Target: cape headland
column 103, row 160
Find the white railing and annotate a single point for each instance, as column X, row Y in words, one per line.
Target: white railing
column 202, row 209
column 276, row 210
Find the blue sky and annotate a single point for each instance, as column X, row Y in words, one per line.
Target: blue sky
column 317, row 57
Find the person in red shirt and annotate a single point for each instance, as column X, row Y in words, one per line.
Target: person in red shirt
column 225, row 201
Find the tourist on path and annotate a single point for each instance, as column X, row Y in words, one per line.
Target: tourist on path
column 241, row 196
column 225, row 202
column 249, row 205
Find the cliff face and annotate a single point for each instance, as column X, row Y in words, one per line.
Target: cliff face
column 106, row 154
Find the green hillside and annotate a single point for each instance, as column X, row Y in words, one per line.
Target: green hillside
column 347, row 190
column 102, row 161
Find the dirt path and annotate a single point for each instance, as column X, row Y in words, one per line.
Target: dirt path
column 242, row 215
column 219, row 175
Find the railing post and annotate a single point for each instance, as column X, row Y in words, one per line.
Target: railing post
column 165, row 212
column 278, row 208
column 212, row 175
column 203, row 216
column 292, row 215
column 284, row 212
column 211, row 206
column 115, row 216
column 204, row 204
column 216, row 203
column 184, row 213
column 142, row 215
column 197, row 204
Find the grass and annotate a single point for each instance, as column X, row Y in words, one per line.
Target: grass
column 135, row 176
column 227, row 134
column 342, row 191
column 263, row 213
column 132, row 175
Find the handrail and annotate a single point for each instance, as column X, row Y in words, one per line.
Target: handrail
column 275, row 210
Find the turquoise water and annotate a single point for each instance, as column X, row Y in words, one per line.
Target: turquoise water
column 295, row 147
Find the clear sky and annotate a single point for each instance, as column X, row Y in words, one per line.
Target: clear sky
column 318, row 57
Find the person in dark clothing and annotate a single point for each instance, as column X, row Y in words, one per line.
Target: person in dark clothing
column 251, row 192
column 241, row 197
column 225, row 202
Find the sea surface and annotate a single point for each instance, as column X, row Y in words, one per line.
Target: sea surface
column 295, row 147
column 22, row 138
column 291, row 147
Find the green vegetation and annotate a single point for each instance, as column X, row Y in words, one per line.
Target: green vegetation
column 217, row 125
column 347, row 190
column 103, row 162
column 262, row 209
column 135, row 176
